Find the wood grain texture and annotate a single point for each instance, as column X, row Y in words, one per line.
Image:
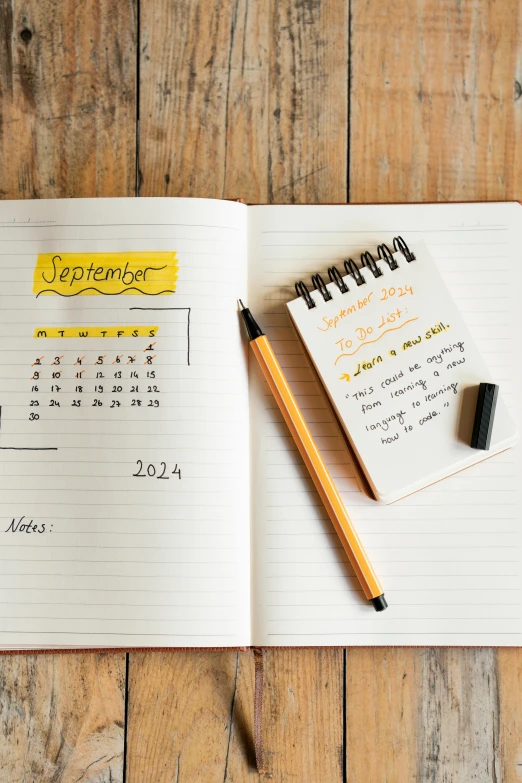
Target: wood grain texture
column 303, row 715
column 509, row 673
column 190, row 717
column 246, row 164
column 244, row 99
column 308, row 102
column 62, row 718
column 458, row 723
column 382, row 688
column 433, row 109
column 67, row 98
column 518, row 107
column 185, row 66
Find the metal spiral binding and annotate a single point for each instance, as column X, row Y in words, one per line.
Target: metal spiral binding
column 320, row 286
column 351, row 268
column 336, row 277
column 385, row 254
column 400, row 244
column 368, row 260
column 302, row 290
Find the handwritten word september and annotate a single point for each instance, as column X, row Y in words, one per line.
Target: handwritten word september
column 386, row 293
column 108, row 274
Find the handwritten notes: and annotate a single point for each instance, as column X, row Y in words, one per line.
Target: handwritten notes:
column 108, row 274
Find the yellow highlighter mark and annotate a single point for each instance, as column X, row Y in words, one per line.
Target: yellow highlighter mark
column 149, row 273
column 96, row 331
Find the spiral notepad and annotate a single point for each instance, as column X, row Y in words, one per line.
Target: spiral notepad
column 399, row 366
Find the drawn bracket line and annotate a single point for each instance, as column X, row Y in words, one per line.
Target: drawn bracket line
column 188, row 309
column 25, row 448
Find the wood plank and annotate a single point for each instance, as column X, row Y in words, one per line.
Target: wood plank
column 509, row 668
column 517, row 192
column 240, row 764
column 382, row 688
column 238, row 102
column 308, row 104
column 204, row 97
column 67, row 98
column 458, row 722
column 62, row 718
column 184, row 89
column 190, row 717
column 433, row 115
column 303, row 715
column 247, row 122
column 433, row 714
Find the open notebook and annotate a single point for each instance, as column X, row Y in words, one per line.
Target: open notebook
column 149, row 493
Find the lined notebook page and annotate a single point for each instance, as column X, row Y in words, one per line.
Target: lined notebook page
column 448, row 556
column 124, row 463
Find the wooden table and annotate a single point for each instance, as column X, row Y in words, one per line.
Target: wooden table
column 280, row 101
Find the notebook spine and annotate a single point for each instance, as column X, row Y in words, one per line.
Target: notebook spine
column 367, row 260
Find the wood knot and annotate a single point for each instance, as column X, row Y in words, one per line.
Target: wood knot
column 26, row 35
column 518, row 90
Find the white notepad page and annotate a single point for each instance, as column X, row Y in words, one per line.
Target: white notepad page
column 449, row 557
column 132, row 554
column 402, row 372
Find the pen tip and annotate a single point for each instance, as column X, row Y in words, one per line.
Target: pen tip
column 241, row 305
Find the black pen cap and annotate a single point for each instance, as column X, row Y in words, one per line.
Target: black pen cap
column 484, row 416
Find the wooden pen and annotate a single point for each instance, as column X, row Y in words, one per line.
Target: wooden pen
column 314, row 462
